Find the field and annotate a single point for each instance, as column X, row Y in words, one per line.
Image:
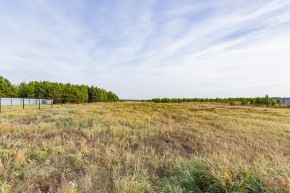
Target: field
column 145, row 147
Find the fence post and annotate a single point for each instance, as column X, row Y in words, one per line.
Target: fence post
column 23, row 103
column 38, row 103
column 51, row 102
column 0, row 104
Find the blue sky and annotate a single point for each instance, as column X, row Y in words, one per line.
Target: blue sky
column 145, row 49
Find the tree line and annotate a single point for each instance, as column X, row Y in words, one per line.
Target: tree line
column 59, row 92
column 243, row 101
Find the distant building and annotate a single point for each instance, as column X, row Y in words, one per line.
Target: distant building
column 282, row 100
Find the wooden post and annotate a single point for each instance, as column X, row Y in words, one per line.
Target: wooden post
column 23, row 103
column 51, row 102
column 0, row 104
column 39, row 103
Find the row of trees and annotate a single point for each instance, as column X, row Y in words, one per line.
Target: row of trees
column 59, row 92
column 243, row 101
column 6, row 88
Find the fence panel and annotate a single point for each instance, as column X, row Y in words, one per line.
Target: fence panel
column 26, row 101
column 23, row 102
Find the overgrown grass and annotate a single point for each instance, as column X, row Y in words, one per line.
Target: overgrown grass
column 145, row 147
column 200, row 175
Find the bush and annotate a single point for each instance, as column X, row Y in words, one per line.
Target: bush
column 232, row 102
column 273, row 103
column 244, row 102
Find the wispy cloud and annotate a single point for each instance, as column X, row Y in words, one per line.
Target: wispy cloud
column 145, row 49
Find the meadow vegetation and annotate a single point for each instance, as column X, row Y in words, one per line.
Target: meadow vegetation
column 145, row 147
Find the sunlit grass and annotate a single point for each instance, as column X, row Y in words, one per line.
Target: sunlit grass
column 144, row 147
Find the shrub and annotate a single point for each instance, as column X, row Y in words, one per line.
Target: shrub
column 232, row 102
column 278, row 102
column 273, row 103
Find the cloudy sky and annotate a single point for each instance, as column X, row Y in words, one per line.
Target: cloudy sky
column 153, row 48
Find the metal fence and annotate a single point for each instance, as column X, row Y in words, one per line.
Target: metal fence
column 23, row 102
column 282, row 100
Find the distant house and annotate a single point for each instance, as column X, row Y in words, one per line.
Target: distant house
column 282, row 100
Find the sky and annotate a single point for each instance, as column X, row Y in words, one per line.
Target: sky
column 152, row 48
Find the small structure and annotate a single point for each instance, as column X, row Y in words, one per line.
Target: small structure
column 282, row 100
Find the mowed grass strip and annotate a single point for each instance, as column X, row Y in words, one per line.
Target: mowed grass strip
column 145, row 147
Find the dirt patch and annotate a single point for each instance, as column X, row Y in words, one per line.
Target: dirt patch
column 48, row 118
column 178, row 143
column 27, row 120
column 201, row 109
column 47, row 184
column 35, row 139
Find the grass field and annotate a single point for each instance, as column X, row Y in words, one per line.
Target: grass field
column 145, row 147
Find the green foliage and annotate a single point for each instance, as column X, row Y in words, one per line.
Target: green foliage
column 6, row 88
column 59, row 92
column 273, row 103
column 232, row 101
column 244, row 101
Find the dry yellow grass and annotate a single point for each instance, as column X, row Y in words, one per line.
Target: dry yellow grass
column 145, row 147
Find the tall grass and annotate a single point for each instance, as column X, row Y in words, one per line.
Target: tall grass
column 200, row 175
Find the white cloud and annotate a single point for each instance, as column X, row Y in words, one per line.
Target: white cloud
column 142, row 49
